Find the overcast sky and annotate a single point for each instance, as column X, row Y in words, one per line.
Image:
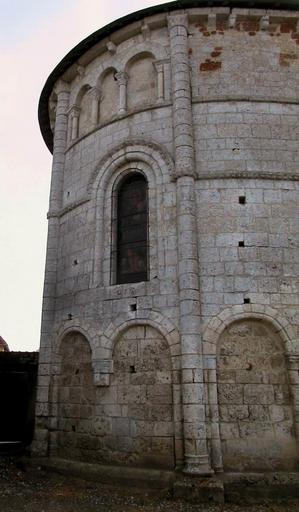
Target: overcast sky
column 34, row 36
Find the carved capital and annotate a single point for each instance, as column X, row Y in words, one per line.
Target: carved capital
column 178, row 20
column 121, row 78
column 95, row 93
column 159, row 65
column 61, row 86
column 74, row 111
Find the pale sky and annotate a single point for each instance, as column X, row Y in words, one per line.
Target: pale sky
column 34, row 36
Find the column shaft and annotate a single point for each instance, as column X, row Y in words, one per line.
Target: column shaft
column 122, row 79
column 193, row 401
column 40, row 444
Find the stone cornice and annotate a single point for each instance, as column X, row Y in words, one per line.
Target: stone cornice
column 248, row 175
column 241, row 98
column 67, row 208
column 264, row 9
column 199, row 177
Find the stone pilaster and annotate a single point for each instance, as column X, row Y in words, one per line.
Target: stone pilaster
column 293, row 369
column 195, row 444
column 40, row 444
column 181, row 95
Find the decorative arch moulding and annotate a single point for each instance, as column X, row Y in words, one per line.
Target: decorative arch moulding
column 103, row 343
column 227, row 316
column 212, row 17
column 131, row 151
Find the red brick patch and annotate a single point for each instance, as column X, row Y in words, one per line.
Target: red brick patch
column 287, row 26
column 286, row 58
column 210, row 66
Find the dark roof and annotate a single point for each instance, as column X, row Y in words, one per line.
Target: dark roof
column 3, row 344
column 90, row 41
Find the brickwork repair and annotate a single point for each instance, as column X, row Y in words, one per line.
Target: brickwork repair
column 195, row 368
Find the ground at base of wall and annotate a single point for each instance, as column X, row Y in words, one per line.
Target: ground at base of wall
column 32, row 489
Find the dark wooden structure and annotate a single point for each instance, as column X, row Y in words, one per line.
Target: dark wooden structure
column 18, row 376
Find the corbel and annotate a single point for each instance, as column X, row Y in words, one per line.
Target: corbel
column 111, row 47
column 145, row 31
column 264, row 22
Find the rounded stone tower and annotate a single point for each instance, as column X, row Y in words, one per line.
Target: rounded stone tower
column 171, row 310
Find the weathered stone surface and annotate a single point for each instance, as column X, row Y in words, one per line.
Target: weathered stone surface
column 204, row 104
column 252, row 413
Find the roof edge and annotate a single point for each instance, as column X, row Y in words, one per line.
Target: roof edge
column 87, row 43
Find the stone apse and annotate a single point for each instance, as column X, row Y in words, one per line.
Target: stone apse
column 171, row 312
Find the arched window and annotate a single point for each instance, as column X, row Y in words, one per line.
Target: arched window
column 131, row 253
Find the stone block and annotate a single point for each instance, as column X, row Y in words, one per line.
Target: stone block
column 258, row 394
column 230, row 394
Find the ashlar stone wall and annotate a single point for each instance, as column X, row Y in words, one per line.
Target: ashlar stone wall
column 140, row 415
column 255, row 407
column 197, row 367
column 131, row 421
column 75, row 393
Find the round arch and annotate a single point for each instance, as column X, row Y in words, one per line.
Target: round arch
column 211, row 336
column 151, row 318
column 134, row 150
column 74, row 326
column 157, row 166
column 104, row 73
column 155, row 50
column 217, row 324
column 137, row 56
column 83, row 90
column 164, row 328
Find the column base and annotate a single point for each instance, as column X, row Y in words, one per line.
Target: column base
column 197, row 466
column 39, row 445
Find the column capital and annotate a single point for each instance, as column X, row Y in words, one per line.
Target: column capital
column 159, row 65
column 177, row 19
column 61, row 86
column 95, row 93
column 293, row 360
column 121, row 77
column 74, row 111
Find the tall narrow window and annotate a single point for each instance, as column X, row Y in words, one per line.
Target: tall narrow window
column 132, row 230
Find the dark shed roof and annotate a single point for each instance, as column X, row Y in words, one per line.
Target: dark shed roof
column 3, row 345
column 90, row 41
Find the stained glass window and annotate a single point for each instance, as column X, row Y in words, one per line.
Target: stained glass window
column 132, row 230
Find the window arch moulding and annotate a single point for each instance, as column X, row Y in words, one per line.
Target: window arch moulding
column 157, row 168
